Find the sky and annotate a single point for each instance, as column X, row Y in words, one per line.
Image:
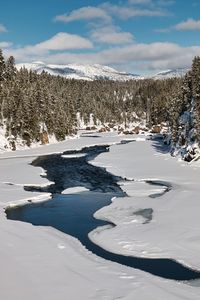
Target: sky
column 136, row 36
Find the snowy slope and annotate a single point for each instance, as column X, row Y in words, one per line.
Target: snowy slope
column 173, row 231
column 79, row 71
column 171, row 73
column 96, row 71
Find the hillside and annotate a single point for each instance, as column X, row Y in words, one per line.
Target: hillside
column 177, row 73
column 96, row 71
column 79, row 71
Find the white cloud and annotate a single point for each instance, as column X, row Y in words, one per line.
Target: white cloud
column 136, row 58
column 190, row 24
column 141, row 52
column 64, row 41
column 5, row 45
column 60, row 42
column 111, row 35
column 106, row 11
column 133, row 57
column 2, row 28
column 85, row 13
column 127, row 12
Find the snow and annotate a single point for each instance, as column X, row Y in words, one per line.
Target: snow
column 6, row 146
column 96, row 71
column 74, row 155
column 174, row 229
column 4, row 143
column 43, row 263
column 178, row 73
column 76, row 189
column 79, row 71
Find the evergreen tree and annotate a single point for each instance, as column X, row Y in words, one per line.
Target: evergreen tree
column 32, row 103
column 2, row 67
column 10, row 69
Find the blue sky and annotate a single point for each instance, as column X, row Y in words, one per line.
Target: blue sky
column 138, row 36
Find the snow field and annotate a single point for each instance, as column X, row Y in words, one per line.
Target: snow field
column 43, row 263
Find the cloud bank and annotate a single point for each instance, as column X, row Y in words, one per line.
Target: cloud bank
column 131, row 58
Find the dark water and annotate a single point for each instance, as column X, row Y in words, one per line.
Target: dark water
column 73, row 214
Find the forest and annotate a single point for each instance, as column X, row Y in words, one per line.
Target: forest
column 34, row 106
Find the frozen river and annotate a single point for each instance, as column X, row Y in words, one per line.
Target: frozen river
column 73, row 213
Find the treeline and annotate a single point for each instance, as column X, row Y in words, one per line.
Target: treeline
column 33, row 104
column 185, row 114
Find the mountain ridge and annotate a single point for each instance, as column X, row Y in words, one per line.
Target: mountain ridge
column 95, row 72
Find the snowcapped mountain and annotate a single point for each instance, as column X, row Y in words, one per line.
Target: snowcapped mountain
column 79, row 71
column 171, row 73
column 92, row 72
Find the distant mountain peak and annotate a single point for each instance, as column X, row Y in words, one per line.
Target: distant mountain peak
column 79, row 71
column 96, row 71
column 171, row 73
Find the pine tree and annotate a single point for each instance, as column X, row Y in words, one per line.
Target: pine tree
column 196, row 94
column 2, row 67
column 10, row 69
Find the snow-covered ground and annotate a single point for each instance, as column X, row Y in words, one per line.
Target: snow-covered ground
column 174, row 229
column 43, row 263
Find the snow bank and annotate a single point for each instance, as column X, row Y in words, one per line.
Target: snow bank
column 43, row 263
column 174, row 229
column 77, row 189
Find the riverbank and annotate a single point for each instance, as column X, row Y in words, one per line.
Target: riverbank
column 173, row 231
